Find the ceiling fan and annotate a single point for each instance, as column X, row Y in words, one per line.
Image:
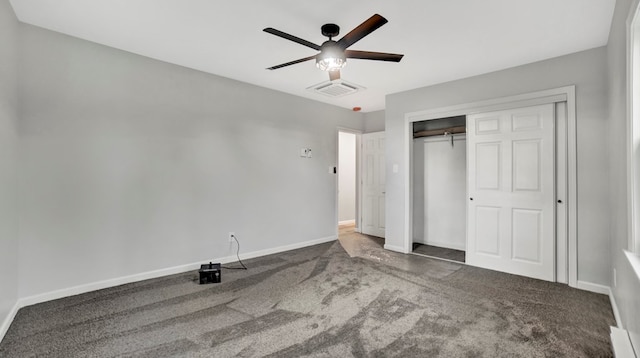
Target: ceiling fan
column 333, row 54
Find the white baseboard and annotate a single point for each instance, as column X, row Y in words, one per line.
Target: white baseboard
column 395, row 248
column 593, row 287
column 276, row 250
column 99, row 285
column 347, row 222
column 76, row 290
column 621, row 343
column 614, row 308
column 7, row 320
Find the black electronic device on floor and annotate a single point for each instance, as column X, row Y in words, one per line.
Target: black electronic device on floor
column 210, row 273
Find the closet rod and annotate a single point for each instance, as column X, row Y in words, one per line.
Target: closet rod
column 442, row 131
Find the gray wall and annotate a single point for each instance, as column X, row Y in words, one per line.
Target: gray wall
column 439, row 191
column 586, row 70
column 8, row 161
column 130, row 165
column 374, row 122
column 627, row 289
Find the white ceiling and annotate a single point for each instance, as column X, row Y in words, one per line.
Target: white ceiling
column 442, row 40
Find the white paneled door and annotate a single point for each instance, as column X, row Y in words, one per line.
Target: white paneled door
column 373, row 184
column 511, row 211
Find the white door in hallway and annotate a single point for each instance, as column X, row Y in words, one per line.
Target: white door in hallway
column 373, row 184
column 511, row 211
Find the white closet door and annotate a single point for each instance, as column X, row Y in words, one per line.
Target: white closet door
column 373, row 184
column 511, row 217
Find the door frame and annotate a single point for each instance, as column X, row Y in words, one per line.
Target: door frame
column 358, row 203
column 562, row 94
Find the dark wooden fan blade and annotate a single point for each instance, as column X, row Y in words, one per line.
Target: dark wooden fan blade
column 362, row 30
column 285, row 35
column 377, row 56
column 334, row 75
column 292, row 63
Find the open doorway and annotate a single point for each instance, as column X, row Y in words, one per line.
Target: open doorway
column 348, row 211
column 360, row 192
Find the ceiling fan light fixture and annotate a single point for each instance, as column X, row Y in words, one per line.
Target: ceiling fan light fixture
column 331, row 63
column 331, row 58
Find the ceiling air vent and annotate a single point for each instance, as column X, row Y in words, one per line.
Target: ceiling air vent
column 337, row 88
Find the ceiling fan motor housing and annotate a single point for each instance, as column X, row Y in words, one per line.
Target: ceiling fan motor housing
column 330, row 30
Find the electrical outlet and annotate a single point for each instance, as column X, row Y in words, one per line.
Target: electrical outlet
column 231, row 236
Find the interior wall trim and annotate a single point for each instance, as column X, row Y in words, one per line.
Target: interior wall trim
column 593, row 287
column 614, row 308
column 621, row 343
column 4, row 328
column 395, row 248
column 93, row 286
column 562, row 94
column 497, row 104
column 632, row 86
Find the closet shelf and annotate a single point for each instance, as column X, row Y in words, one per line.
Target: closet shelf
column 441, row 131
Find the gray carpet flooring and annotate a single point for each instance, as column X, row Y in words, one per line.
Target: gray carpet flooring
column 322, row 301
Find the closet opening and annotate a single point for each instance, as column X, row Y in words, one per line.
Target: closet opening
column 521, row 186
column 439, row 188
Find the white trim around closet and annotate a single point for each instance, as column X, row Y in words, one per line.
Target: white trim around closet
column 562, row 94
